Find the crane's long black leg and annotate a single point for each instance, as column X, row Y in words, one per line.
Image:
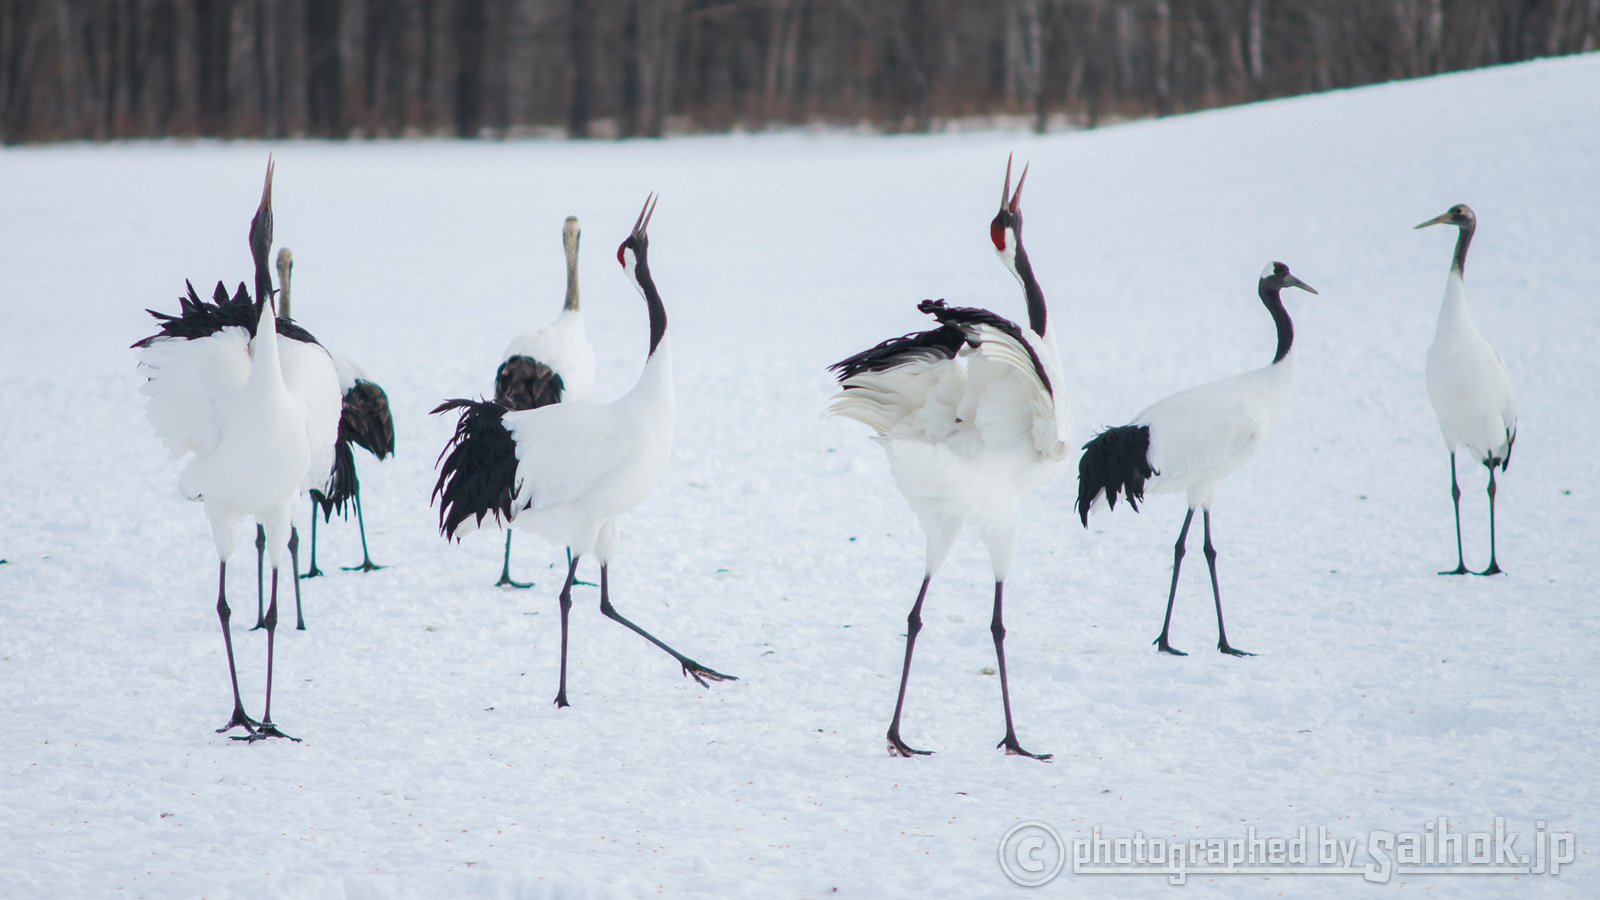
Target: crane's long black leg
column 1455, row 499
column 566, row 607
column 1494, row 567
column 898, row 747
column 261, row 553
column 998, row 629
column 1177, row 563
column 294, row 566
column 223, row 613
column 367, row 565
column 1216, row 593
column 505, row 570
column 313, row 571
column 265, row 728
column 690, row 668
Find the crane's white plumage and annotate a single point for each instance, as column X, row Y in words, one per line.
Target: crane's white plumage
column 567, row 470
column 257, row 415
column 972, row 419
column 1190, row 441
column 1468, row 382
column 549, row 365
column 364, row 420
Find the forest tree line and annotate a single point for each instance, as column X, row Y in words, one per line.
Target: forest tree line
column 101, row 69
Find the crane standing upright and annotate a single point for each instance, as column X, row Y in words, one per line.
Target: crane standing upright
column 254, row 403
column 971, row 417
column 567, row 470
column 1468, row 384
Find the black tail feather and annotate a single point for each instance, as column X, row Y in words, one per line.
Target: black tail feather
column 342, row 484
column 478, row 474
column 1116, row 460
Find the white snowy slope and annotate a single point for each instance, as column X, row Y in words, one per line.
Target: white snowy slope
column 776, row 547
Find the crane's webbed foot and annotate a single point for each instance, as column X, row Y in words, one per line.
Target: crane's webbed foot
column 1225, row 647
column 1015, row 749
column 1460, row 569
column 240, row 719
column 1163, row 647
column 313, row 572
column 266, row 730
column 700, row 673
column 505, row 581
column 898, row 747
column 1494, row 569
column 368, row 565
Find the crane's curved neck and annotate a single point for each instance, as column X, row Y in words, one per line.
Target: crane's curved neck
column 1037, row 313
column 572, row 276
column 652, row 299
column 283, row 293
column 1459, row 263
column 263, row 281
column 1280, row 318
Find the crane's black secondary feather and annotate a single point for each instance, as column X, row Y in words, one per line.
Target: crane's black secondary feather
column 198, row 318
column 525, row 383
column 965, row 317
column 956, row 327
column 479, row 470
column 1116, row 460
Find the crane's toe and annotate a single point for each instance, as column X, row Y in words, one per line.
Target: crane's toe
column 700, row 673
column 1225, row 647
column 239, row 719
column 898, row 747
column 1163, row 647
column 1460, row 569
column 1015, row 749
column 1494, row 569
column 266, row 730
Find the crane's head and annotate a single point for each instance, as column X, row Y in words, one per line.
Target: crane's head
column 285, row 266
column 261, row 224
column 1459, row 215
column 1276, row 276
column 1005, row 229
column 632, row 253
column 570, row 233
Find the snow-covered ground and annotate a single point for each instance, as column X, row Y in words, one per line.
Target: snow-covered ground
column 776, row 547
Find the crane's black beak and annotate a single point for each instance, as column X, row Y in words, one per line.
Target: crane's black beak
column 261, row 224
column 643, row 223
column 1440, row 219
column 1008, row 200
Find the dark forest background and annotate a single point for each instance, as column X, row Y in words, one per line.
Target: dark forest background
column 99, row 69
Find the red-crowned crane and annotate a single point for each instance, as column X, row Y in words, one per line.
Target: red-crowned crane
column 255, row 403
column 972, row 418
column 566, row 471
column 548, row 365
column 1192, row 440
column 364, row 421
column 1468, row 384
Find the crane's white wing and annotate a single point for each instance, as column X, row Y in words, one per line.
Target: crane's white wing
column 568, row 450
column 310, row 376
column 1007, row 397
column 190, row 381
column 1200, row 430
